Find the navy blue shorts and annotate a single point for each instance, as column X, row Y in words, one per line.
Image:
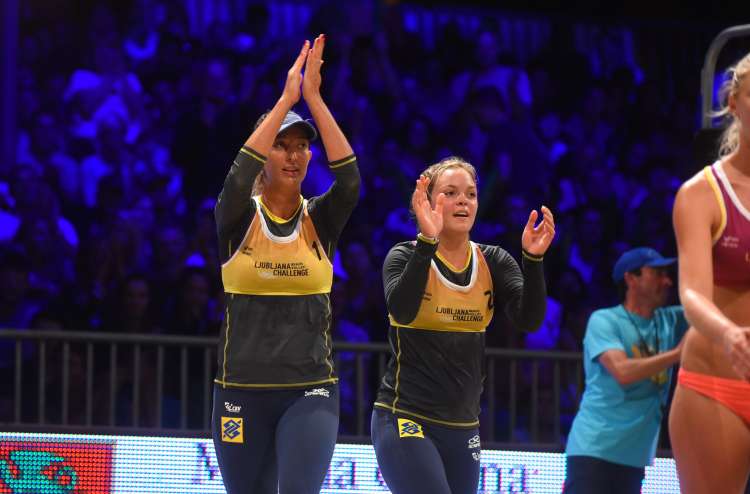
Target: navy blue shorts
column 589, row 475
column 416, row 457
column 276, row 439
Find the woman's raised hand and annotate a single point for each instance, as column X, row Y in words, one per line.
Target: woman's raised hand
column 537, row 239
column 312, row 79
column 292, row 91
column 430, row 220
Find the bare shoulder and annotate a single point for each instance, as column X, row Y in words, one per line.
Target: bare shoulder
column 699, row 199
column 696, row 186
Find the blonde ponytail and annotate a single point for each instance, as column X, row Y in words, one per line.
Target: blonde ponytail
column 730, row 138
column 259, row 183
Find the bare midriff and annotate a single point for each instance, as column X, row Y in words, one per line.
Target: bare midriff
column 706, row 356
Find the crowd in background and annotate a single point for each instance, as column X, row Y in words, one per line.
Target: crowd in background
column 129, row 114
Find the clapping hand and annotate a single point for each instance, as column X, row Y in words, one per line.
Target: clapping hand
column 312, row 79
column 537, row 239
column 292, row 90
column 430, row 220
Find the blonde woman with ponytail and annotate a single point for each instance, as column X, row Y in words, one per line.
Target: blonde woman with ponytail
column 276, row 402
column 709, row 422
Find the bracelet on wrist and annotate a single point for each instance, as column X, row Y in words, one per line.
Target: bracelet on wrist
column 531, row 257
column 425, row 238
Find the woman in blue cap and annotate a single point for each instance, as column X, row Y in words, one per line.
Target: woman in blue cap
column 276, row 405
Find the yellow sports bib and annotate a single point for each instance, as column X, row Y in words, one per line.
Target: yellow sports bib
column 449, row 307
column 266, row 264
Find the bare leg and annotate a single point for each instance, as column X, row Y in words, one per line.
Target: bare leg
column 711, row 445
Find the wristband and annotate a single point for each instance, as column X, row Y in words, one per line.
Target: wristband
column 531, row 257
column 429, row 240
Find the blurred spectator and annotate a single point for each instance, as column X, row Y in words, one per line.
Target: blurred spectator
column 512, row 83
column 131, row 309
column 348, row 331
column 193, row 310
column 365, row 305
column 18, row 303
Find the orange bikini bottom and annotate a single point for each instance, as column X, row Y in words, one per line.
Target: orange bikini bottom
column 732, row 393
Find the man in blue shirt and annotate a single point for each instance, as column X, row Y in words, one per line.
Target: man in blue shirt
column 628, row 352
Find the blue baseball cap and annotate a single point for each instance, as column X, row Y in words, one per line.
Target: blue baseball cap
column 637, row 258
column 292, row 119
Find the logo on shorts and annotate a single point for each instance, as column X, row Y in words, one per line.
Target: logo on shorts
column 232, row 408
column 477, row 455
column 408, row 428
column 318, row 392
column 474, row 442
column 232, row 430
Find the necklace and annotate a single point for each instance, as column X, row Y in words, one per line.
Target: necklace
column 660, row 378
column 641, row 340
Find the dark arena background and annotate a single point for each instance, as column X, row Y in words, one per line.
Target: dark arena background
column 120, row 119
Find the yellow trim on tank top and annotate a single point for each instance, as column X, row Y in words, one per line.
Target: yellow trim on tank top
column 450, row 266
column 444, row 330
column 279, row 219
column 224, row 383
column 720, row 199
column 395, row 410
column 282, row 294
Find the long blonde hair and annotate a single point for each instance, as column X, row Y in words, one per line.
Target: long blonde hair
column 260, row 182
column 730, row 138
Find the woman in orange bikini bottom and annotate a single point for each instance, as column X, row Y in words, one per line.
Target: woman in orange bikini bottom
column 732, row 393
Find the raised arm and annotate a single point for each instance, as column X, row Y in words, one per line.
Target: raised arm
column 524, row 293
column 264, row 135
column 235, row 205
column 335, row 143
column 405, row 270
column 695, row 216
column 331, row 210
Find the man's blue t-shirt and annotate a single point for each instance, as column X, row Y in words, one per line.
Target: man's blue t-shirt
column 615, row 423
